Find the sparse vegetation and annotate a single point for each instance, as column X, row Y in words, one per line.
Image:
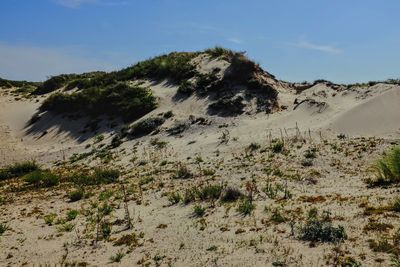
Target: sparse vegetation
column 3, row 228
column 18, row 170
column 387, row 169
column 318, row 229
column 199, row 211
column 245, row 207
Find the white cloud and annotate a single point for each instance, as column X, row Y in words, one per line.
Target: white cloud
column 22, row 62
column 322, row 48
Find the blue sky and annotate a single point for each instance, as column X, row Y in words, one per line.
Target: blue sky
column 296, row 40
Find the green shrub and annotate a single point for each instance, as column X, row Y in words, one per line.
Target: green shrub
column 146, row 126
column 66, row 227
column 277, row 146
column 253, row 146
column 310, row 153
column 396, row 205
column 182, row 172
column 174, row 198
column 121, row 99
column 18, row 170
column 42, row 178
column 3, row 228
column 387, row 169
column 103, row 176
column 231, row 194
column 277, row 217
column 52, row 84
column 245, row 207
column 76, row 195
column 105, row 230
column 199, row 211
column 318, row 229
column 219, row 51
column 49, row 219
column 209, row 192
column 71, row 215
column 117, row 257
column 190, row 195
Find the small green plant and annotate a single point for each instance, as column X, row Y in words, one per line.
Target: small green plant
column 254, row 146
column 105, row 228
column 310, row 153
column 245, row 207
column 174, row 198
column 318, row 229
column 66, row 227
column 387, row 169
column 277, row 146
column 212, row 248
column 182, row 172
column 396, row 205
column 190, row 195
column 117, row 257
column 231, row 194
column 49, row 219
column 76, row 195
column 277, row 217
column 210, row 192
column 71, row 215
column 199, row 211
column 3, row 228
column 127, row 240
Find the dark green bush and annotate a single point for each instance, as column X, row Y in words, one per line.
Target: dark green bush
column 199, row 211
column 318, row 229
column 277, row 146
column 210, row 192
column 219, row 51
column 52, row 84
column 182, row 172
column 41, row 178
column 121, row 99
column 245, row 207
column 76, row 195
column 146, row 126
column 231, row 194
column 18, row 169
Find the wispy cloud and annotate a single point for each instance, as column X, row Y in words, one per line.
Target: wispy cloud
column 331, row 49
column 25, row 62
column 78, row 3
column 235, row 40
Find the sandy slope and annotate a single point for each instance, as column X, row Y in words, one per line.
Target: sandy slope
column 326, row 113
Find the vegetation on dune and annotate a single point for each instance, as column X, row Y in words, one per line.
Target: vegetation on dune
column 121, row 99
column 387, row 169
column 146, row 126
column 320, row 229
column 112, row 94
column 18, row 169
column 10, row 83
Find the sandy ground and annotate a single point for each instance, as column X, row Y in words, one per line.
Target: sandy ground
column 170, row 235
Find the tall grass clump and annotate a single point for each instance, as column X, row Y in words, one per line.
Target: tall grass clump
column 387, row 169
column 41, row 178
column 18, row 170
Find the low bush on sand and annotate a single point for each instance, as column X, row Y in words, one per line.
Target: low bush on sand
column 387, row 169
